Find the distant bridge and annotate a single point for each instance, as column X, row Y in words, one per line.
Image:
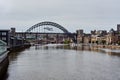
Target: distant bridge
column 48, row 23
column 37, row 35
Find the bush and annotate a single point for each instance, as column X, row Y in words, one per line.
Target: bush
column 103, row 42
column 118, row 42
column 96, row 42
column 66, row 41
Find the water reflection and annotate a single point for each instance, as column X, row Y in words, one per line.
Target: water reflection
column 101, row 50
column 63, row 63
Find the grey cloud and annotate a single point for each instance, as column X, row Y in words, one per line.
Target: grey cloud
column 69, row 13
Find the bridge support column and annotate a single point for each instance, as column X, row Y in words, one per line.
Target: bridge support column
column 47, row 38
column 36, row 36
column 57, row 38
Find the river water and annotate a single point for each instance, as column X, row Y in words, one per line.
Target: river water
column 62, row 63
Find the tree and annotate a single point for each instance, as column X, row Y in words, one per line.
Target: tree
column 118, row 42
column 96, row 42
column 103, row 42
column 89, row 41
column 66, row 41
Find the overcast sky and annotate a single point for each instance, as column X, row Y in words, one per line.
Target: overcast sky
column 72, row 14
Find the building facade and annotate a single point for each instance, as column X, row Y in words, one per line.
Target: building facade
column 80, row 36
column 5, row 36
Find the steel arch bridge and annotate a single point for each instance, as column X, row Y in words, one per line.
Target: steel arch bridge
column 48, row 23
column 66, row 32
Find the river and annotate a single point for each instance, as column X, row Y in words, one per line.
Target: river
column 61, row 63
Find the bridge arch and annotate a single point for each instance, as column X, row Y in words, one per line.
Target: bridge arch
column 54, row 25
column 48, row 23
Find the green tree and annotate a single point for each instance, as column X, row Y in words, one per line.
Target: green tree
column 66, row 41
column 118, row 42
column 103, row 42
column 89, row 41
column 96, row 42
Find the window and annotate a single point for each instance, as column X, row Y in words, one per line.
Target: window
column 4, row 33
column 4, row 38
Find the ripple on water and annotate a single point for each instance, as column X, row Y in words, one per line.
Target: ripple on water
column 63, row 64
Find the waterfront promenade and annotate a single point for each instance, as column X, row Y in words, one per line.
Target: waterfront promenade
column 97, row 46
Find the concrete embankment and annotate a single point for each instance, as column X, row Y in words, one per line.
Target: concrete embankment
column 18, row 47
column 4, row 60
column 97, row 46
column 110, row 49
column 4, row 66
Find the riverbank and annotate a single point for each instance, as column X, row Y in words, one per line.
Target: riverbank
column 109, row 49
column 4, row 62
column 17, row 48
column 106, row 46
column 97, row 46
